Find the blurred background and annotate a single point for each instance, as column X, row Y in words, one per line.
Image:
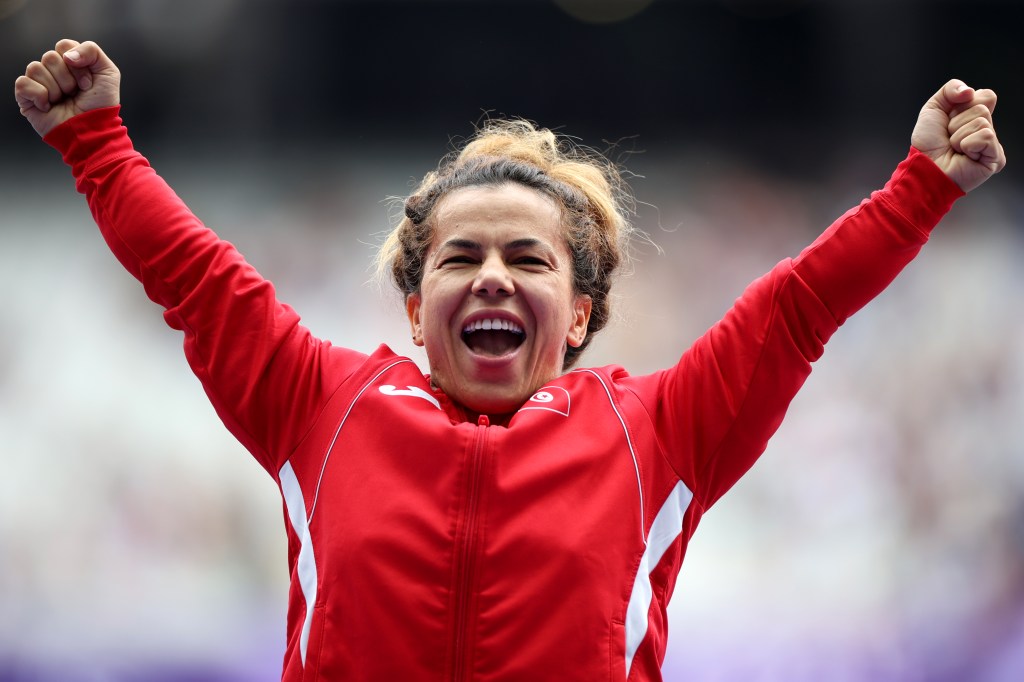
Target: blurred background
column 881, row 537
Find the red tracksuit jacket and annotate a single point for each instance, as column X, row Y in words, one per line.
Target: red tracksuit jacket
column 423, row 546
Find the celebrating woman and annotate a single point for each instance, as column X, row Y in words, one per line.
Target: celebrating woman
column 504, row 516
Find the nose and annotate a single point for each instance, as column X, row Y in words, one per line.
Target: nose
column 493, row 278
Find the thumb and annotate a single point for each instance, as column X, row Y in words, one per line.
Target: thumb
column 951, row 95
column 86, row 61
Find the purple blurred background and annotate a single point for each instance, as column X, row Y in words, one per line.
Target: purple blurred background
column 880, row 538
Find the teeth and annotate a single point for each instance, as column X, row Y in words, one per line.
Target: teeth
column 490, row 324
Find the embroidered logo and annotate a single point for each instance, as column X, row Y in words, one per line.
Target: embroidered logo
column 550, row 398
column 413, row 391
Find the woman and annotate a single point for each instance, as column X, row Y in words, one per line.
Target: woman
column 499, row 518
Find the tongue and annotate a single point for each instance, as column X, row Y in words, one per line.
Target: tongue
column 493, row 342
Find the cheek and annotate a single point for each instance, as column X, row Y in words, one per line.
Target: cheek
column 563, row 304
column 437, row 305
column 434, row 296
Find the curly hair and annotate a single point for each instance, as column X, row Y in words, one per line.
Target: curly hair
column 588, row 188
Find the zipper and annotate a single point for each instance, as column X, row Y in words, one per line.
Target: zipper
column 466, row 550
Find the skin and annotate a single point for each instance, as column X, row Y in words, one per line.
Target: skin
column 497, row 253
column 66, row 81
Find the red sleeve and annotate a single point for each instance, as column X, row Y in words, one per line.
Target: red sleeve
column 266, row 375
column 717, row 408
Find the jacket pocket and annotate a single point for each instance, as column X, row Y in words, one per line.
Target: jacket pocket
column 617, row 652
column 311, row 671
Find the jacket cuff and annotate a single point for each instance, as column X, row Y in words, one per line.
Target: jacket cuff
column 91, row 139
column 921, row 191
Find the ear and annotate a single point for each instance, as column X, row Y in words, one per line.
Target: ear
column 412, row 310
column 581, row 318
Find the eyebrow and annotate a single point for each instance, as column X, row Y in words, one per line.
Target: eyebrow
column 526, row 242
column 458, row 243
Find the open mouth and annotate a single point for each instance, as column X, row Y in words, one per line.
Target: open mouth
column 493, row 337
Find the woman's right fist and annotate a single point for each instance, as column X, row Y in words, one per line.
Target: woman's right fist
column 66, row 81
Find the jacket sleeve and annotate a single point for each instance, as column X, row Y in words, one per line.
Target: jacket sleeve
column 265, row 374
column 716, row 409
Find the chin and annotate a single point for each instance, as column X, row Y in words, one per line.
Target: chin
column 485, row 401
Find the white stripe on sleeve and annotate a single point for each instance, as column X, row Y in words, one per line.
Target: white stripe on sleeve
column 305, row 565
column 667, row 526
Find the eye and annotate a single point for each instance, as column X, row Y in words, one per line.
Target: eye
column 460, row 259
column 530, row 260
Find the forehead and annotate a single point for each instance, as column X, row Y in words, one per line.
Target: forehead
column 508, row 211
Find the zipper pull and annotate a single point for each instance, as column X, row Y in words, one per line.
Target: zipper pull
column 483, row 420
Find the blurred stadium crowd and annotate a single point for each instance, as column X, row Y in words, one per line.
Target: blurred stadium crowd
column 881, row 537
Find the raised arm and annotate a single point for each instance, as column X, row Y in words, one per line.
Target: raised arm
column 266, row 375
column 723, row 401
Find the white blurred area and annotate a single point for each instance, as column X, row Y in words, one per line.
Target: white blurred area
column 880, row 538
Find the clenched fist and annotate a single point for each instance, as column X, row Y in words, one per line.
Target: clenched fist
column 955, row 130
column 68, row 80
